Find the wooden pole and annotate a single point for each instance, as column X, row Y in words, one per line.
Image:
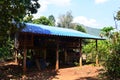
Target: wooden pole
column 57, row 57
column 16, row 45
column 97, row 61
column 16, row 60
column 44, row 53
column 24, row 57
column 80, row 53
column 65, row 52
column 45, row 50
column 24, row 61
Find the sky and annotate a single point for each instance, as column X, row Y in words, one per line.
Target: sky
column 92, row 13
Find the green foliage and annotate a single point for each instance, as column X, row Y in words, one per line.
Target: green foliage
column 112, row 63
column 80, row 28
column 89, row 47
column 28, row 18
column 103, row 50
column 52, row 19
column 12, row 13
column 90, row 50
column 106, row 31
column 76, row 63
column 7, row 49
column 118, row 15
column 43, row 20
column 112, row 66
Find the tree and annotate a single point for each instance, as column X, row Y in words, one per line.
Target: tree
column 6, row 50
column 43, row 20
column 106, row 31
column 65, row 20
column 28, row 18
column 80, row 28
column 52, row 19
column 12, row 13
column 90, row 50
column 112, row 63
column 118, row 15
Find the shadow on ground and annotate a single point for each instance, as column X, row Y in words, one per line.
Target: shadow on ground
column 42, row 75
column 8, row 72
column 86, row 78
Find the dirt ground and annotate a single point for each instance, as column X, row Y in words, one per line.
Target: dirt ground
column 14, row 72
column 87, row 72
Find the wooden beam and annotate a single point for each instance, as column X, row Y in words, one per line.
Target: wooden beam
column 57, row 57
column 80, row 53
column 97, row 61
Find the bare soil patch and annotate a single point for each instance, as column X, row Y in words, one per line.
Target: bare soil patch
column 87, row 72
column 13, row 71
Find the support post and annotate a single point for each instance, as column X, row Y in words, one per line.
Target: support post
column 44, row 53
column 65, row 52
column 16, row 60
column 45, row 50
column 97, row 61
column 24, row 61
column 16, row 45
column 57, row 57
column 80, row 53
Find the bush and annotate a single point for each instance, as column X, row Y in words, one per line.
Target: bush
column 112, row 66
column 6, row 50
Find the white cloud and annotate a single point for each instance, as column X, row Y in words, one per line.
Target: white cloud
column 43, row 8
column 85, row 21
column 100, row 1
column 59, row 2
column 45, row 3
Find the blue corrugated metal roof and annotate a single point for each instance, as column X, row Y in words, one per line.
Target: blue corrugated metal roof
column 50, row 30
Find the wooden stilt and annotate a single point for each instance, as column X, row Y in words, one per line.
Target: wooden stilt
column 57, row 57
column 65, row 52
column 16, row 45
column 24, row 61
column 80, row 53
column 37, row 64
column 16, row 60
column 97, row 61
column 44, row 53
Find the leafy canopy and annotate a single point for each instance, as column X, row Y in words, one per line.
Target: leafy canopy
column 52, row 19
column 43, row 20
column 90, row 50
column 118, row 15
column 107, row 30
column 80, row 28
column 12, row 13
